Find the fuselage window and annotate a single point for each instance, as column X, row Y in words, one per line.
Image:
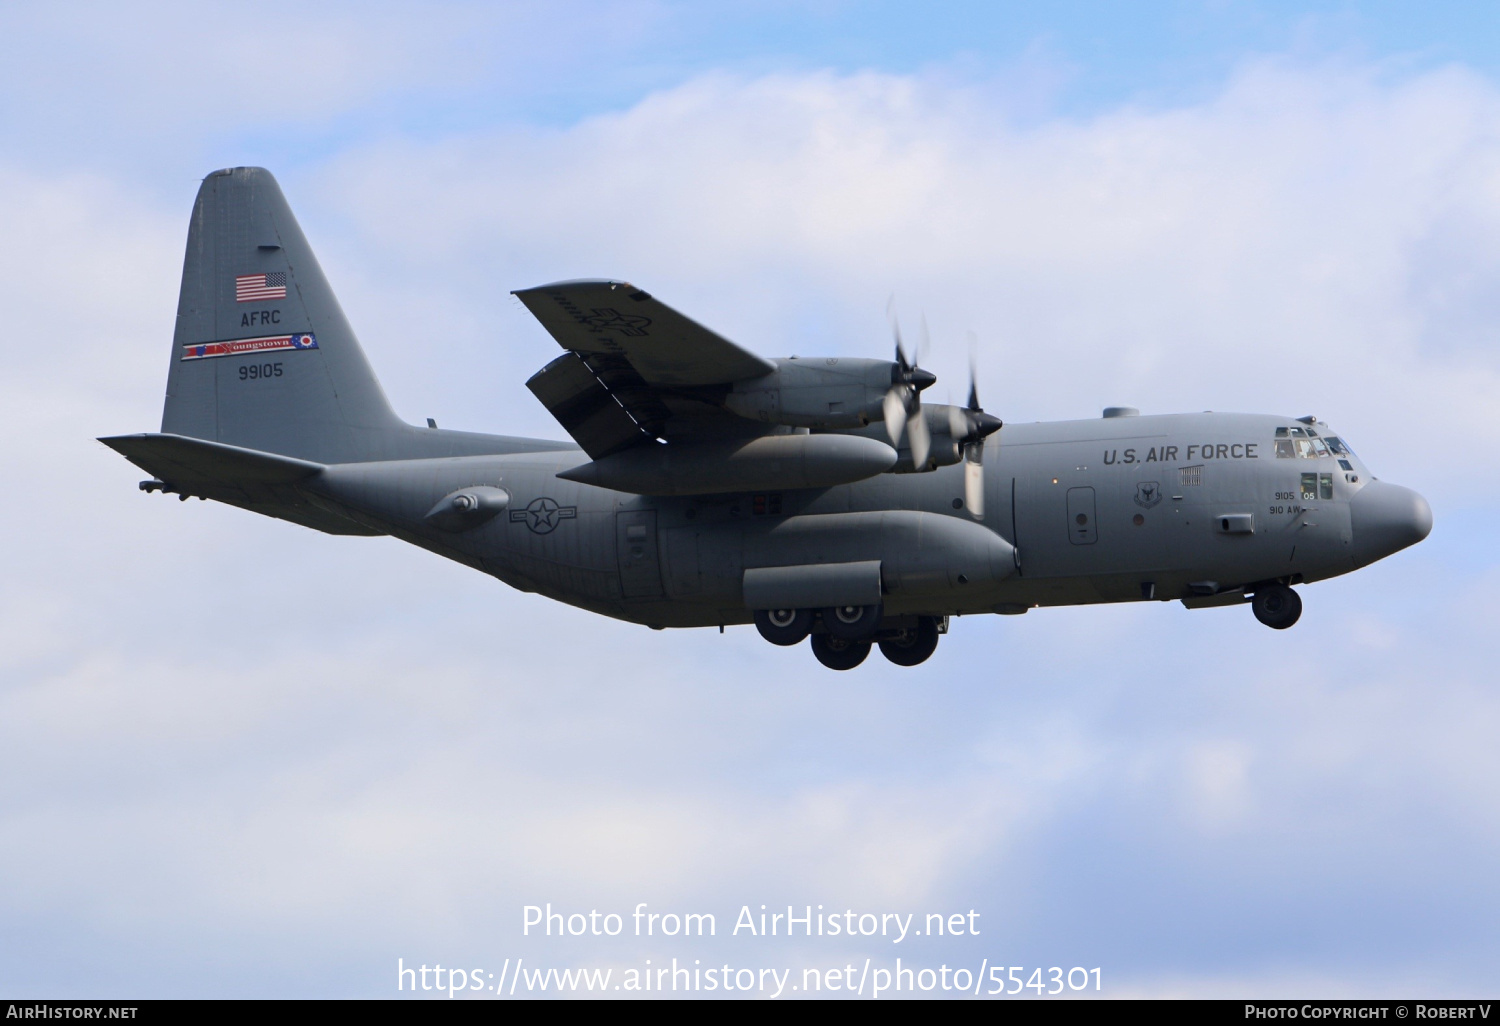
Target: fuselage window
column 1309, row 487
column 1346, row 464
column 1325, row 486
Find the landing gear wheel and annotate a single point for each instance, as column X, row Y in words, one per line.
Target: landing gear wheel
column 852, row 623
column 1277, row 606
column 839, row 653
column 911, row 645
column 784, row 626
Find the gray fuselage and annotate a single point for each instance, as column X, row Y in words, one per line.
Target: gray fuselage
column 1197, row 507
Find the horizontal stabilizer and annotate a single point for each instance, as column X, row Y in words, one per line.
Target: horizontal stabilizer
column 260, row 481
column 181, row 460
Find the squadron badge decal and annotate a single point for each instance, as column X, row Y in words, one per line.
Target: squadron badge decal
column 1147, row 494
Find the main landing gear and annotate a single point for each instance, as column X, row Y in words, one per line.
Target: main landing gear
column 911, row 645
column 849, row 632
column 839, row 653
column 1276, row 606
column 784, row 626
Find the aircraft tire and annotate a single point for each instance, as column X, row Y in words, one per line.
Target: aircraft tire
column 912, row 646
column 1277, row 606
column 852, row 623
column 839, row 653
column 784, row 626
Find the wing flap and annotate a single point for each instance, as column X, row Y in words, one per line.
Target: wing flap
column 587, row 410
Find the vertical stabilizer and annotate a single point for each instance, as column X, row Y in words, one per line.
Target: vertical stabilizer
column 263, row 357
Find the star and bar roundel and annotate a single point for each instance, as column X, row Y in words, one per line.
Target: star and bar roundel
column 543, row 514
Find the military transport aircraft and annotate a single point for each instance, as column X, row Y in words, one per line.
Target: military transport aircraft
column 817, row 497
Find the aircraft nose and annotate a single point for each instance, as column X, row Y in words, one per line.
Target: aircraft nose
column 1387, row 518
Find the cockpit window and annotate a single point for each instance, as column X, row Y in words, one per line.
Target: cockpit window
column 1337, row 445
column 1300, row 443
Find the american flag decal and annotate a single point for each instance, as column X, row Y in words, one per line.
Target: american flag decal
column 252, row 288
column 245, row 346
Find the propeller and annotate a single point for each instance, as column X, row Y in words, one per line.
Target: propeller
column 970, row 426
column 902, row 405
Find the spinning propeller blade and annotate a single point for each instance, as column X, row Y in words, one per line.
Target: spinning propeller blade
column 895, row 415
column 902, row 405
column 921, row 441
column 974, row 488
column 970, row 426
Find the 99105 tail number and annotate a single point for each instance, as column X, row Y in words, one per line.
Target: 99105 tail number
column 259, row 371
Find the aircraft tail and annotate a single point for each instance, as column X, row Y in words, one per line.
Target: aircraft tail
column 263, row 357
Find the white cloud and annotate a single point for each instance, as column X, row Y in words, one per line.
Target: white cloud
column 1290, row 243
column 156, row 85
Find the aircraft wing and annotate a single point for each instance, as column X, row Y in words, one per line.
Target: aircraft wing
column 633, row 365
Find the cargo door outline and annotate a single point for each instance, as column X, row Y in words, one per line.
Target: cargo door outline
column 1082, row 517
column 639, row 559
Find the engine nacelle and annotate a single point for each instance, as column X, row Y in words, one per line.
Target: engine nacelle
column 769, row 463
column 943, row 450
column 834, row 392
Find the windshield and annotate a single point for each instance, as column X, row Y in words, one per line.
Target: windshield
column 1304, row 443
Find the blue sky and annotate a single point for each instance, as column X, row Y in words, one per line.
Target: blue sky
column 239, row 758
column 478, row 65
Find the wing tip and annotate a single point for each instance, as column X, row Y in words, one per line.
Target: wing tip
column 574, row 283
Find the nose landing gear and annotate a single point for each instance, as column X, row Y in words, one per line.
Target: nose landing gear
column 1276, row 606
